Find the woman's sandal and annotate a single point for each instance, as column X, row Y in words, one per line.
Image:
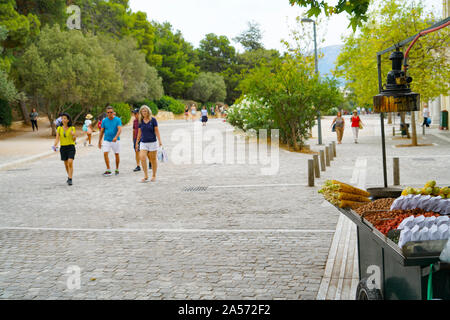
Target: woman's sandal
column 153, row 179
column 144, row 180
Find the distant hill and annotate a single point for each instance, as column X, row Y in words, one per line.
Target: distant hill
column 326, row 64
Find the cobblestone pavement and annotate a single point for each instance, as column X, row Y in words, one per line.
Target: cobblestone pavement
column 266, row 240
column 248, row 236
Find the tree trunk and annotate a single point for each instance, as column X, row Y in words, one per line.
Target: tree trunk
column 413, row 126
column 403, row 121
column 25, row 113
column 51, row 119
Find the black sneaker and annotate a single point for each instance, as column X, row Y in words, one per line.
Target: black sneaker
column 69, row 182
column 137, row 169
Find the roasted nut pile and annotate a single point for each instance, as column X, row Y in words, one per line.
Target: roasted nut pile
column 380, row 204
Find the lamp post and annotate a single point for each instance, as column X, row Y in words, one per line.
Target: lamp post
column 316, row 66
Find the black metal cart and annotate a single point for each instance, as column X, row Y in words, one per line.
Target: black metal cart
column 389, row 272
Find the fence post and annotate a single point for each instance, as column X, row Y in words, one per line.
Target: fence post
column 311, row 173
column 316, row 165
column 396, row 171
column 322, row 161
column 327, row 156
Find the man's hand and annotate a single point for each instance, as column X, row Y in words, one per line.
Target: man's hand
column 115, row 139
column 99, row 145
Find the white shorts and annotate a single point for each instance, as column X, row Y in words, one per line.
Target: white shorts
column 149, row 146
column 107, row 146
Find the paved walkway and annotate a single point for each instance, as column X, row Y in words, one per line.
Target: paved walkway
column 247, row 236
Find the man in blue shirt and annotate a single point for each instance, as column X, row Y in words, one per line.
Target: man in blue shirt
column 111, row 130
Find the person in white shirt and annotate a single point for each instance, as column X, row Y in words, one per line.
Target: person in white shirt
column 204, row 116
column 87, row 127
column 426, row 115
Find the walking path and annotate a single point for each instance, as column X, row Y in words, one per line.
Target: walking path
column 202, row 231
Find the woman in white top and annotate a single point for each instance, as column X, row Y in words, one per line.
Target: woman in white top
column 193, row 112
column 87, row 127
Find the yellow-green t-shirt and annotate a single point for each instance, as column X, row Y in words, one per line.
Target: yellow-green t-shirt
column 68, row 139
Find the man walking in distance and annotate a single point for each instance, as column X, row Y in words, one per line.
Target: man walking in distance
column 111, row 130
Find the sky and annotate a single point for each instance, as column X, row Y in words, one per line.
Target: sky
column 196, row 18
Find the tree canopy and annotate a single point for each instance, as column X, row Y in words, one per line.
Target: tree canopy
column 251, row 38
column 63, row 68
column 428, row 64
column 357, row 9
column 208, row 87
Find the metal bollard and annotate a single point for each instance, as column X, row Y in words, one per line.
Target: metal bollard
column 322, row 161
column 311, row 173
column 316, row 165
column 334, row 149
column 396, row 167
column 327, row 156
column 330, row 147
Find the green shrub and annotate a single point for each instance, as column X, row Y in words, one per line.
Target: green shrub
column 170, row 104
column 248, row 114
column 164, row 103
column 123, row 111
column 177, row 107
column 5, row 114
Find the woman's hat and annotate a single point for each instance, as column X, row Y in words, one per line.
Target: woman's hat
column 89, row 116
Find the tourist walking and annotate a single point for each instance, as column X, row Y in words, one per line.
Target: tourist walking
column 135, row 134
column 339, row 124
column 87, row 127
column 193, row 112
column 426, row 115
column 213, row 113
column 33, row 119
column 111, row 130
column 66, row 137
column 149, row 141
column 186, row 113
column 204, row 116
column 356, row 125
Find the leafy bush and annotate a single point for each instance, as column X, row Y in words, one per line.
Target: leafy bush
column 249, row 114
column 164, row 103
column 170, row 104
column 5, row 114
column 123, row 111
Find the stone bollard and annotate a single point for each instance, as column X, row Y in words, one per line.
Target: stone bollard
column 327, row 156
column 322, row 161
column 311, row 173
column 316, row 165
column 396, row 167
